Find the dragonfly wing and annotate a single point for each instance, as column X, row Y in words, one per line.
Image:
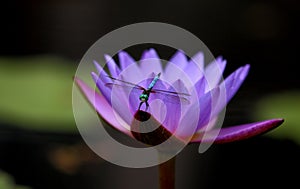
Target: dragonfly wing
column 118, row 81
column 125, row 87
column 169, row 96
column 172, row 96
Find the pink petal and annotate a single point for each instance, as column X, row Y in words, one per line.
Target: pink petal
column 101, row 106
column 236, row 133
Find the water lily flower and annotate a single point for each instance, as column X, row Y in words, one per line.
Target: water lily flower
column 206, row 81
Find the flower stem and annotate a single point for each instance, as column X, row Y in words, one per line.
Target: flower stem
column 167, row 174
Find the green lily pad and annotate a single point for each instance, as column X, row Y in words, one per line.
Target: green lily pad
column 282, row 105
column 36, row 93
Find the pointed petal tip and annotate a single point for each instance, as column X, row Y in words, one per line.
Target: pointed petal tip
column 239, row 132
column 76, row 79
column 244, row 72
column 198, row 59
column 247, row 66
column 124, row 54
column 107, row 57
column 149, row 53
column 180, row 52
column 96, row 63
column 83, row 87
column 245, row 131
column 220, row 58
column 223, row 63
column 98, row 67
column 279, row 120
column 152, row 50
column 94, row 76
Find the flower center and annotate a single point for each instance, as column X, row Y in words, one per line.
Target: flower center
column 144, row 122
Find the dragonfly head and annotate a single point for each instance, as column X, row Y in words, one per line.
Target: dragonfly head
column 144, row 97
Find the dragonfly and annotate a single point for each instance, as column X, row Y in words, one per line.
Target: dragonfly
column 145, row 92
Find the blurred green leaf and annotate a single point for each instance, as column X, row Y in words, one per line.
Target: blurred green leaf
column 282, row 105
column 7, row 182
column 36, row 93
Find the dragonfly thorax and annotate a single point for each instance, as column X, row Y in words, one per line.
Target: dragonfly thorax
column 144, row 97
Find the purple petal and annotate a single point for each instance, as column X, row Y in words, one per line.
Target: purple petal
column 179, row 87
column 200, row 86
column 120, row 103
column 99, row 68
column 198, row 115
column 207, row 102
column 195, row 68
column 239, row 78
column 112, row 66
column 179, row 59
column 175, row 67
column 116, row 96
column 172, row 119
column 214, row 71
column 101, row 106
column 230, row 86
column 240, row 132
column 173, row 106
column 194, row 72
column 125, row 59
column 100, row 79
column 129, row 69
column 150, row 62
column 198, row 59
column 188, row 123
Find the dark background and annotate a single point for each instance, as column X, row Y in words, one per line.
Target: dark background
column 264, row 34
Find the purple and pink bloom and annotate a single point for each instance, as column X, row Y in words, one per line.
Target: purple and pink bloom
column 208, row 93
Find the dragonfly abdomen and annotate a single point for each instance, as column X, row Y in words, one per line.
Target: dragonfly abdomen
column 153, row 82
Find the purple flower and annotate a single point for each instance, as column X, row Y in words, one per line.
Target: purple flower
column 211, row 95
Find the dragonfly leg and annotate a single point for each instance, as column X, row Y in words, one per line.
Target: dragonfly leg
column 147, row 105
column 140, row 105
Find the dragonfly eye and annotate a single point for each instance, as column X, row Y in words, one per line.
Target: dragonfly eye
column 143, row 97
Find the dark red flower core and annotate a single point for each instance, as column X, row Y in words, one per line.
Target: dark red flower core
column 148, row 130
